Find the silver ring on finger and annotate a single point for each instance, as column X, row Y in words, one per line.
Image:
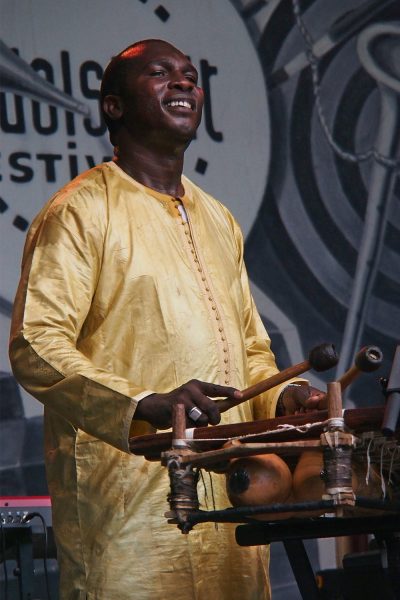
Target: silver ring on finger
column 194, row 413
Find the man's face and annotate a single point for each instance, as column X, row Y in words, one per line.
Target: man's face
column 161, row 93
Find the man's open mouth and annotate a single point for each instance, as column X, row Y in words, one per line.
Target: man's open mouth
column 180, row 103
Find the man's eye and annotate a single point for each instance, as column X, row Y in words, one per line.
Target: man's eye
column 157, row 73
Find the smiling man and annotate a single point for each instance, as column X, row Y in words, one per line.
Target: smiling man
column 133, row 294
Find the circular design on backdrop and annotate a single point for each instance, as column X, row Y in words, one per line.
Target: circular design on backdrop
column 230, row 156
column 314, row 207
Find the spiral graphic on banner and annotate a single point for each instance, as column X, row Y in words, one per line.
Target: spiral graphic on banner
column 314, row 210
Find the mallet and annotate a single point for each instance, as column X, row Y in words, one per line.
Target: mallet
column 320, row 358
column 368, row 359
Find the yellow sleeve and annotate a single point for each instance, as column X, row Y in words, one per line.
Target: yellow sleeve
column 260, row 358
column 61, row 264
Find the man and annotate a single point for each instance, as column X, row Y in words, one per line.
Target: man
column 133, row 294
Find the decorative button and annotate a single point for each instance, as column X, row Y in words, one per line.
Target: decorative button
column 226, row 371
column 223, row 338
column 226, row 380
column 203, row 278
column 220, row 329
column 207, row 289
column 225, row 349
column 217, row 317
column 225, row 360
column 199, row 269
column 214, row 307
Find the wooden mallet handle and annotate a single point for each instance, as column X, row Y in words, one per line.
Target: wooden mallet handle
column 320, row 358
column 334, row 400
column 178, row 424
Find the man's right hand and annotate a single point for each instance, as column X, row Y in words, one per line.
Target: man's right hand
column 156, row 409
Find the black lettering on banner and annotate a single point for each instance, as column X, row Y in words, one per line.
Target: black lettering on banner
column 73, row 165
column 73, row 160
column 90, row 66
column 49, row 161
column 18, row 126
column 66, row 75
column 40, row 64
column 206, row 72
column 90, row 161
column 14, row 162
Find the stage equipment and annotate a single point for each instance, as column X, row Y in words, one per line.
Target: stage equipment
column 27, row 535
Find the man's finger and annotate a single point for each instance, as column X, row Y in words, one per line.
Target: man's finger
column 208, row 406
column 215, row 391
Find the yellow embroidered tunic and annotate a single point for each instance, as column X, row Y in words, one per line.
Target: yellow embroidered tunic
column 120, row 297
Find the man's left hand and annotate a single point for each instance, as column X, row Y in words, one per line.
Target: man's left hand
column 302, row 398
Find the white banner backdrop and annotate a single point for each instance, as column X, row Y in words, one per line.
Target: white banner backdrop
column 69, row 43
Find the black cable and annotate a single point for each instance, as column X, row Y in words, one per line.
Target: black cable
column 377, row 503
column 3, row 548
column 26, row 519
column 240, row 514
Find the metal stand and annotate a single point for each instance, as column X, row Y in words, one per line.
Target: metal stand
column 19, row 543
column 293, row 533
column 302, row 569
column 21, row 547
column 390, row 546
column 392, row 393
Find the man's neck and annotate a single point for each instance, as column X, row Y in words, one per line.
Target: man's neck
column 160, row 170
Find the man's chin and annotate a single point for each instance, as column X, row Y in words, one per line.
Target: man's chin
column 184, row 125
column 183, row 134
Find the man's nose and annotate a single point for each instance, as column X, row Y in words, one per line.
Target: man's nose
column 181, row 82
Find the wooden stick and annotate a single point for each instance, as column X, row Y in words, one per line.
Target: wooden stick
column 334, row 400
column 263, row 386
column 347, row 378
column 178, row 424
column 203, row 459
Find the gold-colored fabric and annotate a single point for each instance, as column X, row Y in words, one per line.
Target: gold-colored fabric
column 118, row 298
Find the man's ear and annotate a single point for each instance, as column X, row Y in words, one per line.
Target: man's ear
column 113, row 107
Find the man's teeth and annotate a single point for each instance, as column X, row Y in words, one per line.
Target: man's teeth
column 183, row 103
